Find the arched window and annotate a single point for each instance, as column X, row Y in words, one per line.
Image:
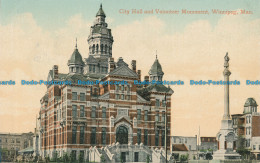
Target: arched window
column 93, row 49
column 105, row 49
column 101, row 48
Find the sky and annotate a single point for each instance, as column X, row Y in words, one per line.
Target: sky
column 35, row 35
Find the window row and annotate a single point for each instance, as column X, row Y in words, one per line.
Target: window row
column 94, row 112
column 123, row 97
column 102, row 48
column 157, row 117
column 123, row 87
column 81, row 135
column 139, row 115
column 93, row 68
column 157, row 103
column 93, row 138
column 254, row 147
column 82, row 96
column 75, row 111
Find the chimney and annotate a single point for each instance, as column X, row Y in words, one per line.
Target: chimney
column 55, row 72
column 139, row 74
column 133, row 63
column 146, row 79
column 111, row 64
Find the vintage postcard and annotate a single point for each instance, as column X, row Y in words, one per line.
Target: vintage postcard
column 129, row 81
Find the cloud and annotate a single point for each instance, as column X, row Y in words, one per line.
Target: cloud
column 197, row 52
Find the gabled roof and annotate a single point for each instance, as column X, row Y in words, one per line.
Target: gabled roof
column 123, row 70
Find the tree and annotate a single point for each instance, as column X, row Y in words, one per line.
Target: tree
column 241, row 147
column 184, row 157
column 147, row 159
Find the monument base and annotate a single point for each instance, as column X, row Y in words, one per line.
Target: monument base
column 226, row 155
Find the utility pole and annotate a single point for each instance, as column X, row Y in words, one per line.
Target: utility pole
column 165, row 131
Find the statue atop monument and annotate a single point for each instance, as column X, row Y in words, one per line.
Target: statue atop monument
column 226, row 65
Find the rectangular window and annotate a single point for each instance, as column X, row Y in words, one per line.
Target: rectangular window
column 93, row 136
column 82, row 97
column 254, row 148
column 103, row 138
column 74, row 134
column 157, row 116
column 74, row 111
column 117, row 96
column 157, row 102
column 82, row 132
column 163, row 137
column 139, row 133
column 94, row 68
column 122, row 97
column 103, row 112
column 138, row 114
column 145, row 137
column 93, row 112
column 82, row 111
column 163, row 103
column 156, row 137
column 122, row 87
column 128, row 88
column 90, row 68
column 74, row 96
column 163, row 116
column 117, row 87
column 146, row 115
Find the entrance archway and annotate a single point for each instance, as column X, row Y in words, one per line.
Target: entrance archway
column 122, row 135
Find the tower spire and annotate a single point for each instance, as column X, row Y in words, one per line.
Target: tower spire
column 76, row 46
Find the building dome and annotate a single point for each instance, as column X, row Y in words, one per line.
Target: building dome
column 76, row 58
column 156, row 72
column 156, row 68
column 75, row 62
column 250, row 102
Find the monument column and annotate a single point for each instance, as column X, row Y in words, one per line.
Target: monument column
column 226, row 135
column 226, row 74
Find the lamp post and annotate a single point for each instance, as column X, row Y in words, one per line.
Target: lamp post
column 165, row 126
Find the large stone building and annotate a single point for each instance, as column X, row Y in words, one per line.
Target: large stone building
column 247, row 127
column 11, row 143
column 121, row 121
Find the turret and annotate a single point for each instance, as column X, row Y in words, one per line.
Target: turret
column 156, row 72
column 100, row 39
column 75, row 62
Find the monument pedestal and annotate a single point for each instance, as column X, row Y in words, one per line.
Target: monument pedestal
column 227, row 139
